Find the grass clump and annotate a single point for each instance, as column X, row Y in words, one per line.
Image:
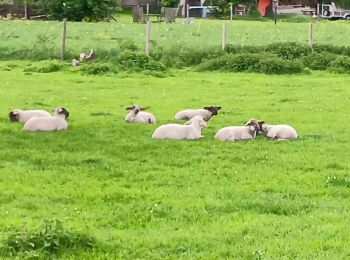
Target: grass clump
column 99, row 68
column 45, row 67
column 263, row 63
column 340, row 65
column 50, row 239
column 318, row 60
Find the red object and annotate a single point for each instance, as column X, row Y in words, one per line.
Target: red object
column 262, row 6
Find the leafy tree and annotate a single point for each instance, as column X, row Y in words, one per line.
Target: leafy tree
column 77, row 10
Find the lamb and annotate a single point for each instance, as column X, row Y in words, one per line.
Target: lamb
column 206, row 113
column 137, row 115
column 190, row 130
column 235, row 133
column 16, row 115
column 279, row 132
column 55, row 122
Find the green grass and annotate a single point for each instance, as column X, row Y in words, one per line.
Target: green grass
column 32, row 36
column 142, row 198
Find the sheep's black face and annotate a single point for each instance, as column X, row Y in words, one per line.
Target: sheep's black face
column 63, row 111
column 136, row 111
column 213, row 109
column 14, row 116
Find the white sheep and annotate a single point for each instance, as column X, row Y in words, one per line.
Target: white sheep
column 16, row 115
column 55, row 122
column 279, row 132
column 235, row 133
column 190, row 130
column 206, row 113
column 137, row 114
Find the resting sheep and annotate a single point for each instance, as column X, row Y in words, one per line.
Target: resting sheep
column 279, row 132
column 190, row 130
column 55, row 122
column 206, row 113
column 137, row 114
column 235, row 133
column 16, row 115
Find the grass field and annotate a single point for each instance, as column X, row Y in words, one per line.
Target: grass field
column 142, row 198
column 26, row 35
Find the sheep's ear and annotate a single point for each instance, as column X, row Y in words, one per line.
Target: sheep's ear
column 142, row 108
column 218, row 108
column 59, row 110
column 207, row 108
column 14, row 113
column 261, row 122
column 248, row 123
column 129, row 108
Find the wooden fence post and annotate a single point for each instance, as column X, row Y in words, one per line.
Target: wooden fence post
column 148, row 34
column 25, row 10
column 188, row 13
column 147, row 11
column 224, row 36
column 231, row 12
column 63, row 45
column 318, row 12
column 310, row 36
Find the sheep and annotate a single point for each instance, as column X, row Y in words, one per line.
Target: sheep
column 75, row 63
column 137, row 114
column 235, row 133
column 206, row 113
column 55, row 122
column 190, row 130
column 278, row 132
column 18, row 115
column 90, row 56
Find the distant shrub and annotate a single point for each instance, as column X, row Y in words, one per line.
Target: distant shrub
column 51, row 238
column 137, row 61
column 78, row 10
column 46, row 67
column 128, row 45
column 340, row 65
column 288, row 50
column 98, row 68
column 264, row 63
column 318, row 61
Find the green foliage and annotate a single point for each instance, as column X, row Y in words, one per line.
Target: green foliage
column 98, row 68
column 77, row 10
column 264, row 63
column 45, row 67
column 50, row 239
column 341, row 65
column 318, row 61
column 288, row 50
column 169, row 3
column 137, row 61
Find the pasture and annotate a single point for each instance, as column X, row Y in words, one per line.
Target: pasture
column 142, row 198
column 18, row 37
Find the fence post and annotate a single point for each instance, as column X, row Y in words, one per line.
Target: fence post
column 147, row 11
column 310, row 36
column 231, row 12
column 224, row 36
column 63, row 45
column 25, row 10
column 318, row 12
column 148, row 34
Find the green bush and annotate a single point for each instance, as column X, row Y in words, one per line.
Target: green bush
column 46, row 67
column 98, row 68
column 50, row 239
column 340, row 65
column 288, row 50
column 137, row 61
column 318, row 61
column 77, row 10
column 263, row 63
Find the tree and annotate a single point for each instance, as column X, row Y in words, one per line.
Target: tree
column 78, row 10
